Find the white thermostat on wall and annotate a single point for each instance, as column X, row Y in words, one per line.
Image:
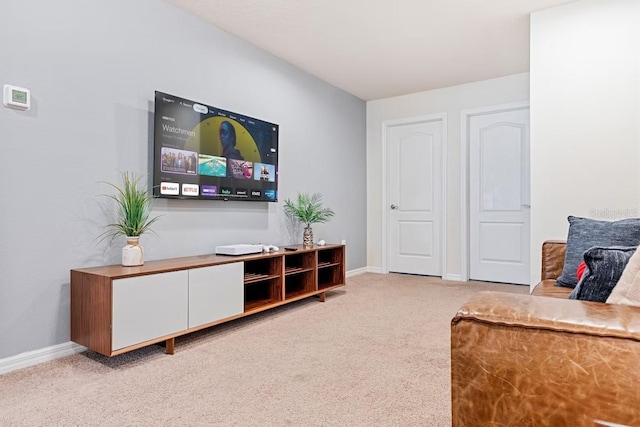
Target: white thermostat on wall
column 16, row 97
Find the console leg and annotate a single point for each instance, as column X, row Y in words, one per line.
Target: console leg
column 322, row 297
column 170, row 346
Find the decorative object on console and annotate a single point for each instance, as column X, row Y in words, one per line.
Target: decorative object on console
column 585, row 233
column 133, row 252
column 308, row 210
column 133, row 205
column 270, row 248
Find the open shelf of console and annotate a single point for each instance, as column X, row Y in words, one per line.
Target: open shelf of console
column 261, row 294
column 299, row 272
column 330, row 267
column 117, row 309
column 299, row 284
column 262, row 282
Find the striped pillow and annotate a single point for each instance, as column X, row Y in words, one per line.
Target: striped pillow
column 604, row 268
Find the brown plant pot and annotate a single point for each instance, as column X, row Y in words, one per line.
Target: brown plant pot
column 307, row 237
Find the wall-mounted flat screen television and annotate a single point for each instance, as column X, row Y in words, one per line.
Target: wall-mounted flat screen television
column 204, row 152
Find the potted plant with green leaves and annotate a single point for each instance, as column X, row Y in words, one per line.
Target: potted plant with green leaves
column 307, row 209
column 133, row 206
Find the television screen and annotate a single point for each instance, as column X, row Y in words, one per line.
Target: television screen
column 204, row 152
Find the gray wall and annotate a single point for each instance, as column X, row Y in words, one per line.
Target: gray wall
column 92, row 68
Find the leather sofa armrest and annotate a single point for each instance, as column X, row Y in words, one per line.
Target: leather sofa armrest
column 553, row 253
column 539, row 361
column 553, row 314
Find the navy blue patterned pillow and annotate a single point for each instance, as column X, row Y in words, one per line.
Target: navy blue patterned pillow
column 604, row 268
column 585, row 233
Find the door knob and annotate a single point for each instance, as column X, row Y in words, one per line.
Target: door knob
column 394, row 207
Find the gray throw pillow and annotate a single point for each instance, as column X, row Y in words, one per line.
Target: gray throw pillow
column 585, row 233
column 604, row 268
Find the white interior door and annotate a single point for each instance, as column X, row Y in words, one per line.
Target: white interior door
column 499, row 197
column 414, row 194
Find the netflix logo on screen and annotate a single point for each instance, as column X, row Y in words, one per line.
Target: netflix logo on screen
column 190, row 190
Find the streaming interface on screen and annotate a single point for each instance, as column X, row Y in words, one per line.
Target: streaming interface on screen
column 204, row 152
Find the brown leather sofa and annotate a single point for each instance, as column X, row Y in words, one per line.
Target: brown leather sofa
column 552, row 262
column 531, row 360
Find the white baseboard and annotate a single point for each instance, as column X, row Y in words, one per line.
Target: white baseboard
column 30, row 358
column 356, row 271
column 378, row 270
column 363, row 270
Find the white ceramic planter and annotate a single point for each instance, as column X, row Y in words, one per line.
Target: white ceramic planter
column 132, row 253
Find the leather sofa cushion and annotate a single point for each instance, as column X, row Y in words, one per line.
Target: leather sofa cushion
column 548, row 288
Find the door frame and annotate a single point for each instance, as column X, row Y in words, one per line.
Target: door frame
column 386, row 129
column 465, row 117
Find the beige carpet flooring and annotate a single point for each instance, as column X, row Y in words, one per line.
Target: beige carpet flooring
column 376, row 353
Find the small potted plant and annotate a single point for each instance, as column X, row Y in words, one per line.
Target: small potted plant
column 307, row 209
column 133, row 205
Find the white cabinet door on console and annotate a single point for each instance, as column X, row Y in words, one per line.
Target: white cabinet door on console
column 215, row 293
column 148, row 307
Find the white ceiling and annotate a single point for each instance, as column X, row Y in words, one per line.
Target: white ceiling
column 379, row 48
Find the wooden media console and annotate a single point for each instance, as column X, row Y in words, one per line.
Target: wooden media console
column 117, row 309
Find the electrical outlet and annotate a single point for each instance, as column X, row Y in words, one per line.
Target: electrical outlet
column 344, row 242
